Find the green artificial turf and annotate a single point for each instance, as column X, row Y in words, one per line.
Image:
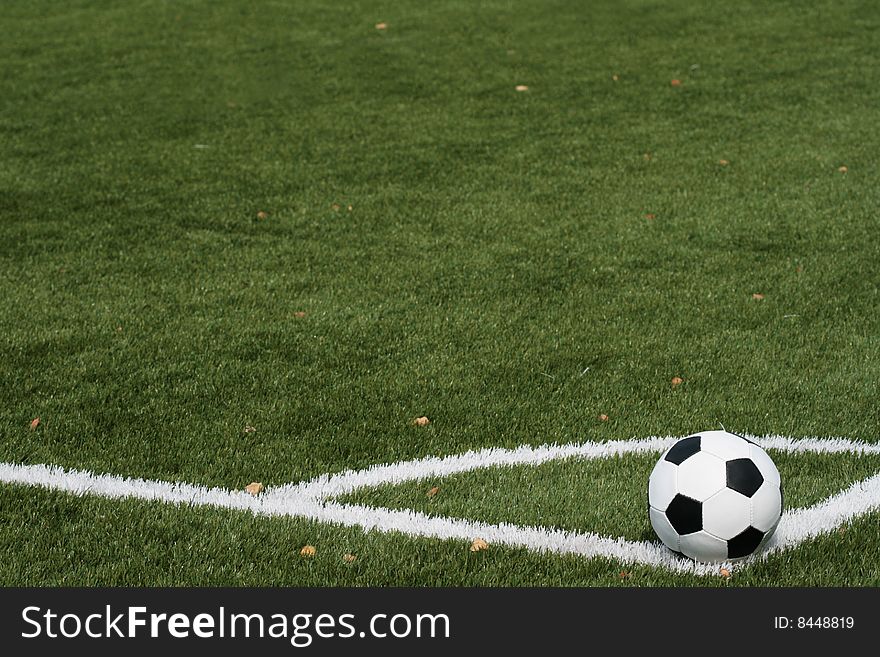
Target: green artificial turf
column 251, row 242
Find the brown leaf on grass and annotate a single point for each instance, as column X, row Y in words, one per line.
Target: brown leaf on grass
column 335, row 207
column 381, row 26
column 249, row 429
column 307, row 551
column 842, row 169
column 421, row 421
column 757, row 296
column 521, row 87
column 349, row 558
column 675, row 83
column 262, row 215
column 255, row 488
column 35, row 423
column 479, row 545
column 650, row 216
column 723, row 163
column 603, row 417
column 433, row 491
column 724, row 573
column 624, row 574
column 299, row 314
column 677, row 381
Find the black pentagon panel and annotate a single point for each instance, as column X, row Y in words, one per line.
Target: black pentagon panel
column 743, row 476
column 742, row 545
column 685, row 515
column 682, row 449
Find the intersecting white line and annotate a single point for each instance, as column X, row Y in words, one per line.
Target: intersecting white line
column 314, row 500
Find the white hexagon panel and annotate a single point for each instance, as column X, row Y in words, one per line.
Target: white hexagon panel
column 701, row 476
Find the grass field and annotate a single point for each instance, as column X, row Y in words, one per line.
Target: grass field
column 252, row 242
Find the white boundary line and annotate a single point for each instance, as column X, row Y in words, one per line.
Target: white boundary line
column 313, row 499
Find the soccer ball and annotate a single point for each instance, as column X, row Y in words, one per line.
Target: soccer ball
column 715, row 496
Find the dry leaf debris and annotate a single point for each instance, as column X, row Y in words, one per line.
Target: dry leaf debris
column 479, row 545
